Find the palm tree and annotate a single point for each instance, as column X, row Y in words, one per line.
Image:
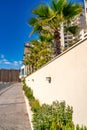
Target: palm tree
column 40, row 52
column 52, row 17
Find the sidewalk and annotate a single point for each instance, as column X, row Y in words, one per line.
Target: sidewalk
column 13, row 112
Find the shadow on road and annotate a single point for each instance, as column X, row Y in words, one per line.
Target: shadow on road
column 6, row 89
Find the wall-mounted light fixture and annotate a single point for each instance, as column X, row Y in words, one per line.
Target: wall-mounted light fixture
column 33, row 80
column 48, row 79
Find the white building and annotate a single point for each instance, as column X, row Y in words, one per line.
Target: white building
column 67, row 38
column 85, row 6
column 23, row 72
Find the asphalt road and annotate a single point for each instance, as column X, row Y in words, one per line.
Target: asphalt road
column 4, row 85
column 13, row 112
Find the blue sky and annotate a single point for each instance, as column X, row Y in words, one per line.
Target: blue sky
column 14, row 30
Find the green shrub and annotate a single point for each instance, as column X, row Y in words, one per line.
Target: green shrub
column 23, row 81
column 24, row 87
column 35, row 105
column 80, row 128
column 77, row 127
column 53, row 117
column 29, row 93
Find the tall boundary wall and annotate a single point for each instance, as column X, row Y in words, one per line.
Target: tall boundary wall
column 64, row 78
column 11, row 75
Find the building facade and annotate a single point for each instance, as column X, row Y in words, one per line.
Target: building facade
column 68, row 39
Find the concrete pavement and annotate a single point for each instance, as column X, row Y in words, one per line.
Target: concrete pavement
column 4, row 85
column 13, row 112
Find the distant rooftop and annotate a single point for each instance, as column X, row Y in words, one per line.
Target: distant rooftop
column 27, row 45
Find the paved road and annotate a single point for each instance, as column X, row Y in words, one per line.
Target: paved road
column 13, row 112
column 4, row 85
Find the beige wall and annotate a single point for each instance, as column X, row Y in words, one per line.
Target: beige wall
column 68, row 81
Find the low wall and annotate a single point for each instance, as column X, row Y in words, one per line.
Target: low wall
column 64, row 78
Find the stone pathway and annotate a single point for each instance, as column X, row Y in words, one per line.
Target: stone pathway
column 13, row 112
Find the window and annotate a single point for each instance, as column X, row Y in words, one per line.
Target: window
column 86, row 10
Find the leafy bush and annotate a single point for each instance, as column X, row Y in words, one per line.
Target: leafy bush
column 29, row 93
column 53, row 117
column 35, row 105
column 80, row 128
column 24, row 87
column 41, row 118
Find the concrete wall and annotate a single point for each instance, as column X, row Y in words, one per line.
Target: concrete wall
column 68, row 74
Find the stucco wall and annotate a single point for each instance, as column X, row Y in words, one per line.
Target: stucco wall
column 68, row 74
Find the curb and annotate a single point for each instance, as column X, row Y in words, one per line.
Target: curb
column 28, row 111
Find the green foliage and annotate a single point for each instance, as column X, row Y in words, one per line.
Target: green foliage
column 71, row 10
column 40, row 51
column 41, row 11
column 35, row 105
column 77, row 127
column 73, row 29
column 41, row 118
column 81, row 128
column 53, row 117
column 29, row 93
column 24, row 85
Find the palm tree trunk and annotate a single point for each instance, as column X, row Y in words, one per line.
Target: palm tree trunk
column 57, row 43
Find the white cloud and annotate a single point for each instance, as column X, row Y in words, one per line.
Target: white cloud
column 17, row 63
column 4, row 61
column 20, row 62
column 2, row 56
column 7, row 63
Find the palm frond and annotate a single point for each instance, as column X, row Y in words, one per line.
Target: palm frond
column 73, row 29
column 41, row 11
column 57, row 5
column 46, row 35
column 37, row 28
column 51, row 12
column 33, row 21
column 71, row 10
